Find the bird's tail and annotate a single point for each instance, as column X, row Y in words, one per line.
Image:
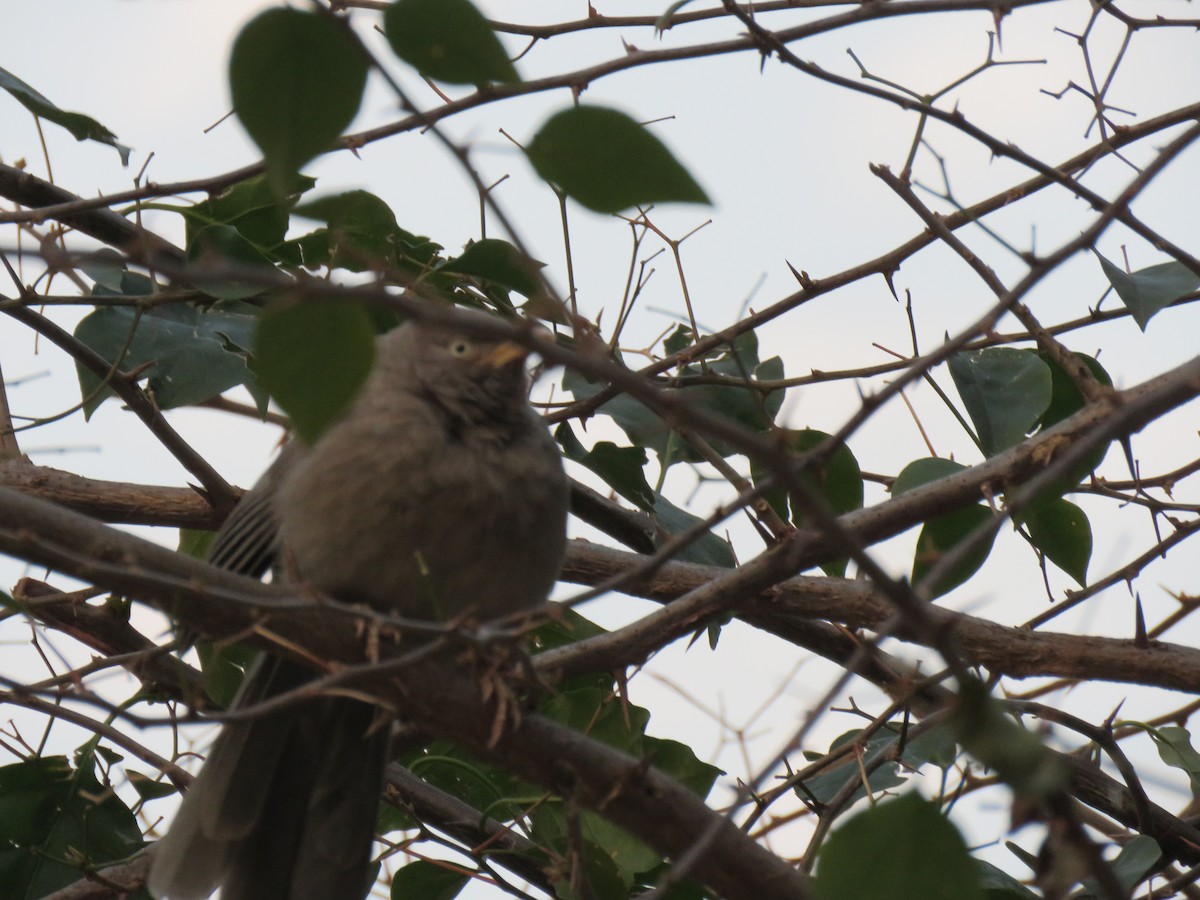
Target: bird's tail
column 285, row 805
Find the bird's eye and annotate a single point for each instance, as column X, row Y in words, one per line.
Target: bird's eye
column 460, row 347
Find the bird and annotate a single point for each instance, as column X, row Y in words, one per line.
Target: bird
column 439, row 494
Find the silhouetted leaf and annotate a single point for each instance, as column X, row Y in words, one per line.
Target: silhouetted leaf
column 296, row 79
column 608, row 162
column 499, row 262
column 82, row 128
column 910, row 845
column 428, row 881
column 363, row 233
column 313, row 358
column 447, row 40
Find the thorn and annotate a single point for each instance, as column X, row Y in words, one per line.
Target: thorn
column 887, row 276
column 1140, row 640
column 801, row 276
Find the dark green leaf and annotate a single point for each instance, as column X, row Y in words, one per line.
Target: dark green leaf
column 1065, row 399
column 1005, row 391
column 924, row 471
column 147, row 788
column 681, row 763
column 608, row 162
column 297, row 80
column 131, row 284
column 999, row 885
column 600, row 716
column 363, row 232
column 1147, row 291
column 82, row 128
column 223, row 248
column 941, row 535
column 622, row 468
column 447, row 40
column 428, row 881
column 224, row 667
column 909, row 844
column 708, row 549
column 49, row 813
column 186, row 350
column 744, row 405
column 1061, row 530
column 996, row 739
column 253, row 207
column 1134, row 861
column 838, row 481
column 585, row 838
column 499, row 262
column 490, row 790
column 313, row 358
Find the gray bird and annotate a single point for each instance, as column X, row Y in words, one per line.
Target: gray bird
column 439, row 492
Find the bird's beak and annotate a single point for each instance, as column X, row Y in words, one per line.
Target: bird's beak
column 505, row 353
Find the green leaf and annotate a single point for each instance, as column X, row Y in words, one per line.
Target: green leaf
column 942, row 534
column 1174, row 744
column 1061, row 530
column 147, row 788
column 297, row 80
column 428, row 881
column 999, row 885
column 744, row 405
column 253, row 207
column 223, row 247
column 1133, row 863
column 1147, row 291
column 195, row 542
column 1065, row 399
column 499, row 262
column 595, row 712
column 313, row 358
column 82, row 128
column 595, row 847
column 224, row 667
column 681, row 763
column 447, row 40
column 924, row 471
column 996, row 739
column 50, row 813
column 363, row 233
column 909, row 844
column 1005, row 391
column 708, row 549
column 622, row 468
column 187, row 350
column 838, row 480
column 608, row 162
